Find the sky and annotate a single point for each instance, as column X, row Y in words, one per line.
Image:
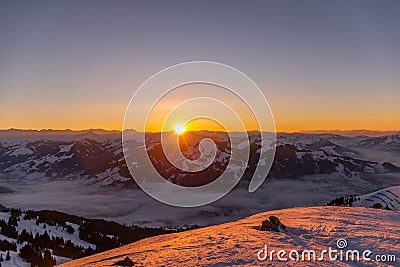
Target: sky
column 320, row 64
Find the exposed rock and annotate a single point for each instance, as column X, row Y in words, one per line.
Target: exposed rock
column 377, row 205
column 127, row 262
column 273, row 224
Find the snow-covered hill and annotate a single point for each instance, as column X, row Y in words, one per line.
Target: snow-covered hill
column 237, row 243
column 388, row 198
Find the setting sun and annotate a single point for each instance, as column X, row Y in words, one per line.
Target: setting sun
column 179, row 129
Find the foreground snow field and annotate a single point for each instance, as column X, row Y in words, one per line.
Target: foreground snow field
column 237, row 243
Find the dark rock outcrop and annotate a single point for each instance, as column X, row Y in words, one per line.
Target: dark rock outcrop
column 273, row 224
column 127, row 262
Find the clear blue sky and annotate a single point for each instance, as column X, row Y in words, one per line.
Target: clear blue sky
column 321, row 64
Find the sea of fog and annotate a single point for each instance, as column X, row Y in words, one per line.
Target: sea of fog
column 133, row 206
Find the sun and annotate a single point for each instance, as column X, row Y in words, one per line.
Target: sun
column 179, row 128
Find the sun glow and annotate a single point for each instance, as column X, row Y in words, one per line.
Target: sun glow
column 179, row 128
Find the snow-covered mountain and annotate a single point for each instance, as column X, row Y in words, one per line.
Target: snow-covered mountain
column 238, row 243
column 100, row 156
column 352, row 133
column 389, row 143
column 72, row 159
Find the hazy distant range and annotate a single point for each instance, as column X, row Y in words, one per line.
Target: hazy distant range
column 24, row 133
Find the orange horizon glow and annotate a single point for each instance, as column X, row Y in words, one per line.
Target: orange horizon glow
column 291, row 114
column 288, row 118
column 194, row 129
column 336, row 72
column 296, row 124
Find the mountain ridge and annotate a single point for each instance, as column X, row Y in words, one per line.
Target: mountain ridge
column 102, row 158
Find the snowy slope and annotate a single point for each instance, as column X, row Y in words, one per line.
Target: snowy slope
column 32, row 227
column 386, row 197
column 389, row 143
column 28, row 235
column 237, row 243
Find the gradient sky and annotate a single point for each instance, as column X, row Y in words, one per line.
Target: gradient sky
column 321, row 64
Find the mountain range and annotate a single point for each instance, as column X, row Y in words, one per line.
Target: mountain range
column 94, row 155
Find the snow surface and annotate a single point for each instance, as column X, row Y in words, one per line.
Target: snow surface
column 53, row 231
column 237, row 243
column 21, row 151
column 389, row 197
column 15, row 261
